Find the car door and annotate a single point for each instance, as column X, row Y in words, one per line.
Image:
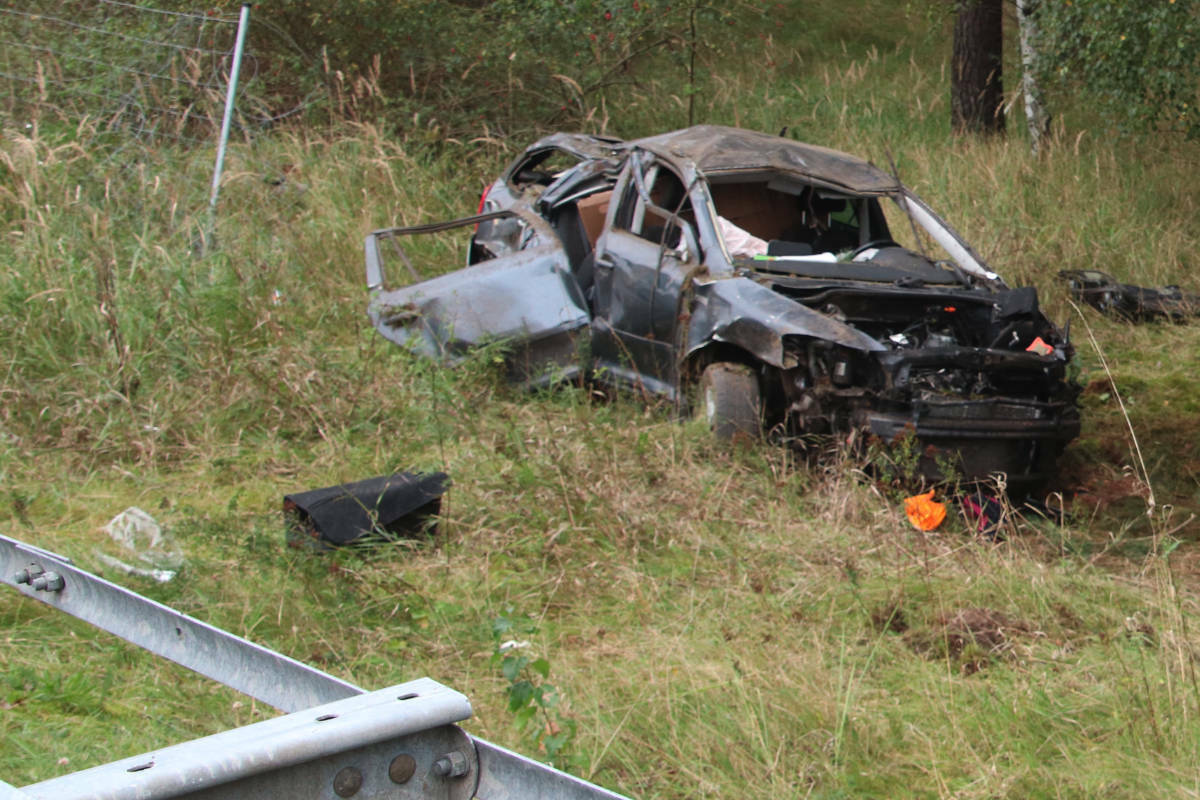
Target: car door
column 643, row 262
column 528, row 302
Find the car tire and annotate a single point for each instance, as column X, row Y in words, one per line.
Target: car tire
column 730, row 401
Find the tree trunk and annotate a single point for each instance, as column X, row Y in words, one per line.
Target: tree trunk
column 1037, row 119
column 976, row 79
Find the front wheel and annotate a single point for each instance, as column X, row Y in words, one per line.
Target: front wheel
column 730, row 401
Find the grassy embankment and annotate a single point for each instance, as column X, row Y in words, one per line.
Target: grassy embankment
column 718, row 624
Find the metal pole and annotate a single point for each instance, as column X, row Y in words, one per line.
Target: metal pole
column 234, row 69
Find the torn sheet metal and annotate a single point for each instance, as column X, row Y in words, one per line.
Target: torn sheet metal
column 528, row 300
column 1106, row 294
column 747, row 314
column 390, row 505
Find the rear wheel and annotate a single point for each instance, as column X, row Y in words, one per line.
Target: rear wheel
column 730, row 401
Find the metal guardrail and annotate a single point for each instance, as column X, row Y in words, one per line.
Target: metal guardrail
column 345, row 748
column 338, row 742
column 8, row 792
column 263, row 674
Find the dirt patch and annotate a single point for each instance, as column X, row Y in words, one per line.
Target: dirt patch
column 974, row 638
column 1097, row 477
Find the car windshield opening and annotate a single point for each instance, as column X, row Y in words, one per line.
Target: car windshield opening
column 779, row 224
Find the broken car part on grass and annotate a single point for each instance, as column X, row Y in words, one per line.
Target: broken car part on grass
column 1106, row 294
column 759, row 279
column 404, row 503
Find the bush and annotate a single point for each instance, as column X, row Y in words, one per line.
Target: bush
column 1137, row 63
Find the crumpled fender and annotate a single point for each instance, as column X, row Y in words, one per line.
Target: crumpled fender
column 741, row 312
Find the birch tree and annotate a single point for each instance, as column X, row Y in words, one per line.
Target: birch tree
column 1037, row 119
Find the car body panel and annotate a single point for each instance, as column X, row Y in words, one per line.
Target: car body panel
column 747, row 314
column 524, row 182
column 528, row 300
column 717, row 149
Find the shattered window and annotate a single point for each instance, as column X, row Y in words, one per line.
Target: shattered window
column 655, row 207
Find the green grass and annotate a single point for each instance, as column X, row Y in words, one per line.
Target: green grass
column 719, row 624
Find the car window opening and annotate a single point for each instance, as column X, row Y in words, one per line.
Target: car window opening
column 656, row 207
column 541, row 169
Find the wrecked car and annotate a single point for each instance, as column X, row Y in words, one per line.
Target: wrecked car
column 768, row 285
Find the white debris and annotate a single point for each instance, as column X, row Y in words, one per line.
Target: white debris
column 138, row 537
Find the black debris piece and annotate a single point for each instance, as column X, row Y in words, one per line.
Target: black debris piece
column 388, row 506
column 1106, row 294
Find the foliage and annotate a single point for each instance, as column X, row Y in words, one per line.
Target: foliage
column 1139, row 63
column 536, row 705
column 728, row 624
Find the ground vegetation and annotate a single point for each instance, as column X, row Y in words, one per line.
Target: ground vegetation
column 711, row 622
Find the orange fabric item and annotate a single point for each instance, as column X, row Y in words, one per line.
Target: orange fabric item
column 924, row 512
column 1039, row 347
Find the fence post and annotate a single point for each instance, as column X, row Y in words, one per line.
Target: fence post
column 234, row 69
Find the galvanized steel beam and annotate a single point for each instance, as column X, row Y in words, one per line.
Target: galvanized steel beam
column 395, row 743
column 254, row 670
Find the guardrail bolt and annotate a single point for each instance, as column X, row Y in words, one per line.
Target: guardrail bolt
column 347, row 782
column 49, row 582
column 451, row 765
column 402, row 768
column 28, row 574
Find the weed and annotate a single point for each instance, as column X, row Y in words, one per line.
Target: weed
column 536, row 705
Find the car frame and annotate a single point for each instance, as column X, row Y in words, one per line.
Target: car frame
column 757, row 280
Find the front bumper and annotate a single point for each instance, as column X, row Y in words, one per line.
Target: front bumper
column 978, row 440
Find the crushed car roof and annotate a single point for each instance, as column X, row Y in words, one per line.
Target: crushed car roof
column 716, row 148
column 581, row 144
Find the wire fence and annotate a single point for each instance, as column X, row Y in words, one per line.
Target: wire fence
column 130, row 79
column 143, row 73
